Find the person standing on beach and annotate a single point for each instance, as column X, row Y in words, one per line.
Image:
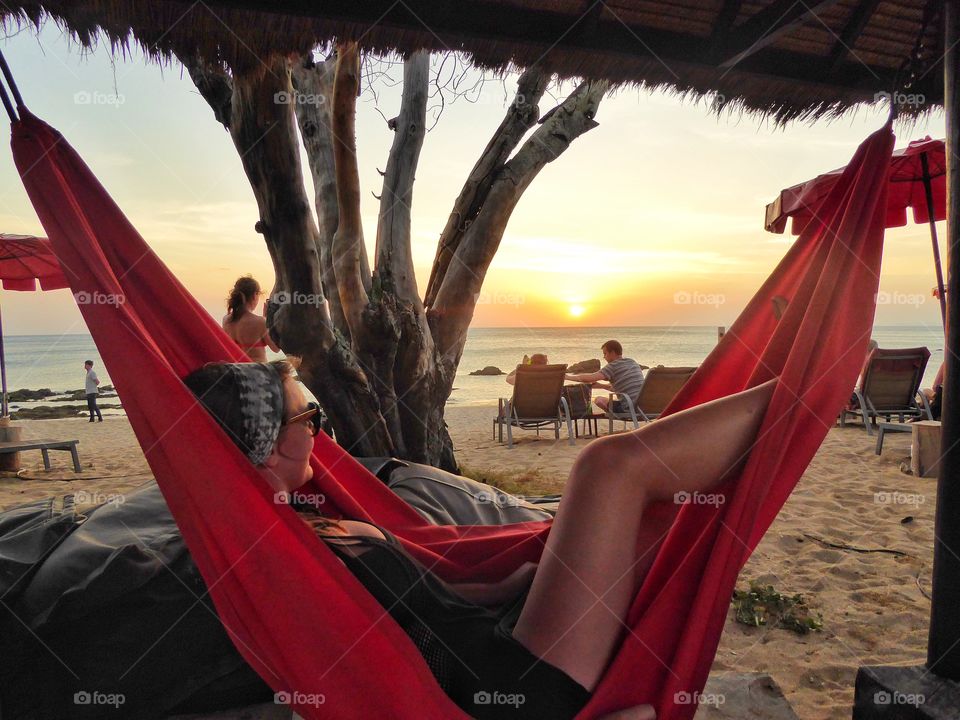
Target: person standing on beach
column 91, row 386
column 622, row 375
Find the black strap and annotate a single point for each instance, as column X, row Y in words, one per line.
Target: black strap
column 8, row 76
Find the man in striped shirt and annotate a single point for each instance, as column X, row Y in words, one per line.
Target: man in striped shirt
column 624, row 375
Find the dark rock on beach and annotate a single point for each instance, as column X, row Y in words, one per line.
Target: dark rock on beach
column 54, row 412
column 489, row 370
column 24, row 395
column 585, row 366
column 78, row 395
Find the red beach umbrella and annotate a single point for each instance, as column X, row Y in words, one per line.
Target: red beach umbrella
column 24, row 261
column 918, row 181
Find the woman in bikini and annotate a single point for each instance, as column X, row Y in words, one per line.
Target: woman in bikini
column 243, row 324
column 540, row 633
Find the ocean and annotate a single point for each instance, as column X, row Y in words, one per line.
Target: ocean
column 56, row 361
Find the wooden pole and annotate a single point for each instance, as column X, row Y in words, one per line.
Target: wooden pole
column 928, row 191
column 4, row 411
column 943, row 647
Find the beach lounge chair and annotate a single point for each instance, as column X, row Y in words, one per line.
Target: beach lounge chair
column 659, row 387
column 890, row 387
column 537, row 402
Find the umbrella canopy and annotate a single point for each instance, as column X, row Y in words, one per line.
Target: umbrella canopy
column 917, row 180
column 25, row 259
column 907, row 190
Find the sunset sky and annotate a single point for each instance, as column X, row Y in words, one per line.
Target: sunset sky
column 653, row 218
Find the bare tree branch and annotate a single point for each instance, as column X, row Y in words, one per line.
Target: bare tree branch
column 521, row 116
column 348, row 247
column 313, row 102
column 457, row 295
column 215, row 86
column 394, row 255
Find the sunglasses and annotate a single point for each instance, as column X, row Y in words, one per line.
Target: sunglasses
column 311, row 415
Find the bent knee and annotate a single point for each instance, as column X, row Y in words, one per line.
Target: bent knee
column 610, row 463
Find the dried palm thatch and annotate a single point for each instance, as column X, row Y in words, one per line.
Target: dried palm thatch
column 782, row 58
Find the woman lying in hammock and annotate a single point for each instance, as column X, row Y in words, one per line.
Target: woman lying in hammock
column 559, row 622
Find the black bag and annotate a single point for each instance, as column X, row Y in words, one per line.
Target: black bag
column 28, row 534
column 578, row 399
column 115, row 622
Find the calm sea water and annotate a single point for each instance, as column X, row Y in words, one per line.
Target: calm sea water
column 675, row 345
column 56, row 361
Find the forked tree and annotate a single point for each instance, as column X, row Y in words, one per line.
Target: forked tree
column 380, row 358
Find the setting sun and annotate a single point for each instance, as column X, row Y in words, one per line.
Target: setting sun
column 577, row 310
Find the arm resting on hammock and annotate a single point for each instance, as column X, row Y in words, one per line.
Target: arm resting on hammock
column 497, row 593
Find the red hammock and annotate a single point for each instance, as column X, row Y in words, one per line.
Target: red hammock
column 296, row 614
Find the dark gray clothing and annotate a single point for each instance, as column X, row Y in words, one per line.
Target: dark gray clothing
column 93, row 407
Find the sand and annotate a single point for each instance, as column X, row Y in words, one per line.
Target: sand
column 873, row 609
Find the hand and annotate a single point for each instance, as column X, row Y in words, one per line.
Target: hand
column 520, row 579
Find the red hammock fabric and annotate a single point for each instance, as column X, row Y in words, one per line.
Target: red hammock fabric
column 296, row 614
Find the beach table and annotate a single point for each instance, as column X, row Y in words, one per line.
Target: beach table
column 44, row 446
column 587, row 419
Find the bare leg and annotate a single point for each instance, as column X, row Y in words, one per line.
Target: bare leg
column 588, row 574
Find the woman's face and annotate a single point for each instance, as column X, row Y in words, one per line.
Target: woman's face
column 288, row 465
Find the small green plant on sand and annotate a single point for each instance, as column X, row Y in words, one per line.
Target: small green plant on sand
column 762, row 605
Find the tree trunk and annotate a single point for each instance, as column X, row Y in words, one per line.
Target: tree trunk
column 380, row 360
column 261, row 124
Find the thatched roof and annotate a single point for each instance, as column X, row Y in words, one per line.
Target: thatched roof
column 785, row 58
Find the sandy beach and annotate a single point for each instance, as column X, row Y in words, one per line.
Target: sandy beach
column 874, row 611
